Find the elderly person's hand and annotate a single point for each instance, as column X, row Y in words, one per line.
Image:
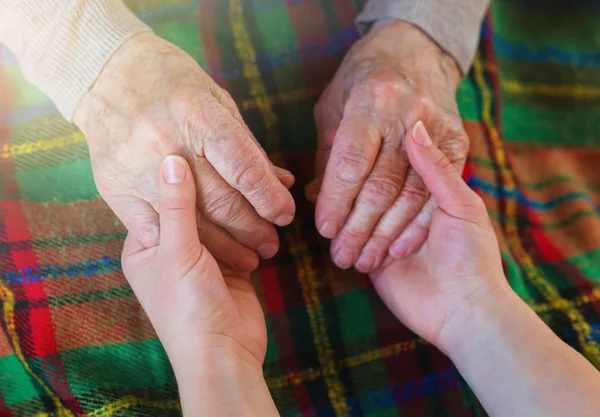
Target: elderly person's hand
column 369, row 198
column 152, row 100
column 208, row 319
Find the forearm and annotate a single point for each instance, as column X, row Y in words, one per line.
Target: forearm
column 63, row 45
column 518, row 367
column 453, row 24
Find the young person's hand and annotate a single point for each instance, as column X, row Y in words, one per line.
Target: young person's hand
column 208, row 318
column 454, row 294
column 458, row 265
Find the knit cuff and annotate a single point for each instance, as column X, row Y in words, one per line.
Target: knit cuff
column 62, row 46
column 453, row 24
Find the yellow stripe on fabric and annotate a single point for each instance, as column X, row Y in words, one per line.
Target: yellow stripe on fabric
column 8, row 302
column 550, row 90
column 548, row 292
column 280, row 98
column 306, row 273
column 310, row 374
column 42, row 145
column 132, row 401
column 325, row 354
column 247, row 55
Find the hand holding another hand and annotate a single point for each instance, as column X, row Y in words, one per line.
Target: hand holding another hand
column 152, row 100
column 370, row 200
column 207, row 317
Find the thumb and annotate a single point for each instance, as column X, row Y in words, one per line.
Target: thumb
column 177, row 205
column 441, row 178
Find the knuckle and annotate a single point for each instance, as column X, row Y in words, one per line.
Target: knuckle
column 175, row 207
column 228, row 208
column 443, row 164
column 414, row 192
column 353, row 238
column 425, row 105
column 351, row 168
column 385, row 89
column 380, row 192
column 152, row 131
column 250, row 175
column 381, row 239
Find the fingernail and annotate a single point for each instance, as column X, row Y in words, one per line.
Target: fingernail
column 420, row 135
column 268, row 250
column 344, row 258
column 398, row 249
column 329, row 229
column 284, row 219
column 173, row 169
column 365, row 262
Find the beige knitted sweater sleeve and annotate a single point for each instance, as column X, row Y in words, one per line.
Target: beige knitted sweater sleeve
column 62, row 45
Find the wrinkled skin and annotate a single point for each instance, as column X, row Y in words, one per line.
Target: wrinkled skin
column 369, row 199
column 152, row 100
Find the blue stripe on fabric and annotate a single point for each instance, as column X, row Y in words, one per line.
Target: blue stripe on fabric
column 498, row 191
column 386, row 397
column 88, row 269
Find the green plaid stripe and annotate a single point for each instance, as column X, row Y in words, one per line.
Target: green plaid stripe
column 74, row 339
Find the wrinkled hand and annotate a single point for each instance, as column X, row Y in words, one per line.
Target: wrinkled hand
column 152, row 100
column 197, row 309
column 458, row 266
column 369, row 197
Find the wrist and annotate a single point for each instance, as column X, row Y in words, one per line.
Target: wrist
column 418, row 48
column 219, row 380
column 476, row 320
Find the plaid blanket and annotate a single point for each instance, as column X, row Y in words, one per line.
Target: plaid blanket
column 74, row 340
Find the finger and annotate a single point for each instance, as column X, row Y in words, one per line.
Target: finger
column 179, row 240
column 226, row 207
column 224, row 247
column 140, row 219
column 284, row 176
column 442, row 179
column 380, row 190
column 236, row 158
column 416, row 232
column 312, row 190
column 413, row 196
column 353, row 154
column 220, row 243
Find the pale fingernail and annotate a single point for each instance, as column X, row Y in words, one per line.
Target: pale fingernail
column 344, row 258
column 173, row 169
column 398, row 249
column 268, row 250
column 284, row 219
column 420, row 135
column 329, row 229
column 365, row 262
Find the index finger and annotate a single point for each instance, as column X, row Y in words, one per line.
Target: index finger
column 240, row 162
column 352, row 157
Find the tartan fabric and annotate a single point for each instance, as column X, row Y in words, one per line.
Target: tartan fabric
column 74, row 340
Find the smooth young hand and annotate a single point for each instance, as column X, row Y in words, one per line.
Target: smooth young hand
column 460, row 261
column 208, row 319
